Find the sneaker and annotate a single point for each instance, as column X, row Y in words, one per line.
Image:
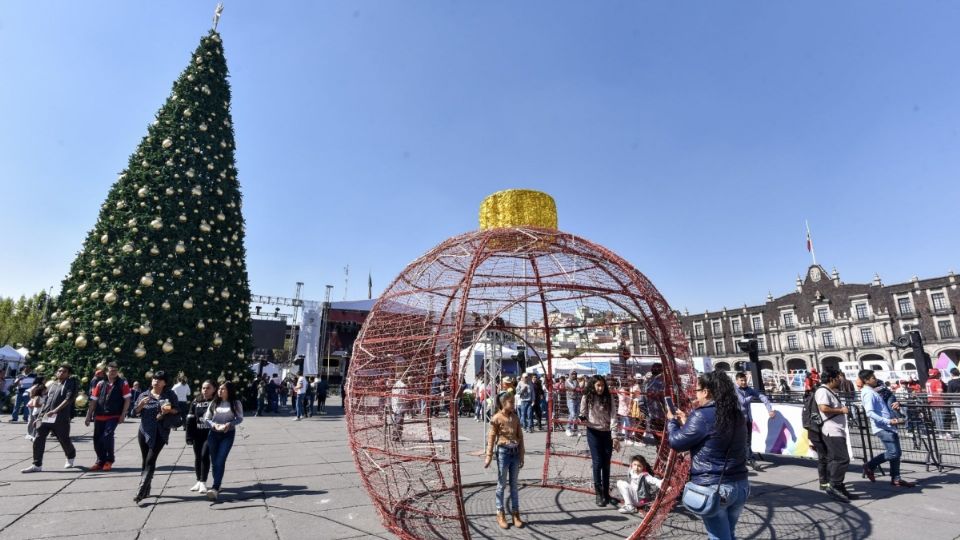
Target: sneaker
column 823, row 487
column 847, row 494
column 68, row 464
column 836, row 495
column 627, row 509
column 107, row 466
column 902, row 483
column 95, row 467
column 203, row 488
column 32, row 468
column 212, row 495
column 569, row 433
column 196, row 487
column 868, row 474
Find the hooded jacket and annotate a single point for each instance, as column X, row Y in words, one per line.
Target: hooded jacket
column 711, row 453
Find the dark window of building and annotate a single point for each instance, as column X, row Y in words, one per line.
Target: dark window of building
column 698, row 330
column 761, row 344
column 700, row 349
column 788, row 320
column 946, row 329
column 862, row 311
column 792, row 343
column 736, row 326
column 828, row 340
column 757, row 325
column 716, row 329
column 939, row 301
column 906, row 308
column 866, row 336
column 823, row 315
column 718, row 347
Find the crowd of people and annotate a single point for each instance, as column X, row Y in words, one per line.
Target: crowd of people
column 307, row 395
column 210, row 421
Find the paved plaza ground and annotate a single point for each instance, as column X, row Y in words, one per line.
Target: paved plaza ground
column 296, row 480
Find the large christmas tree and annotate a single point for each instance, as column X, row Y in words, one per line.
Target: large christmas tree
column 161, row 282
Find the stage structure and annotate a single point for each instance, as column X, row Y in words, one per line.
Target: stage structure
column 517, row 276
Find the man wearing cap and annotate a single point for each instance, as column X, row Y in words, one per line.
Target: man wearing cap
column 110, row 402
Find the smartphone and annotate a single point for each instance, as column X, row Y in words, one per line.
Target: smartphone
column 670, row 405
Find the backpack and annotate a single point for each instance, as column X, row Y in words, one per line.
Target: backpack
column 811, row 417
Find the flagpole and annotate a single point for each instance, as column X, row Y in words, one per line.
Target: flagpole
column 810, row 244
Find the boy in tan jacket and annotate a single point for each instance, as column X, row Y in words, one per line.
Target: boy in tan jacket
column 506, row 441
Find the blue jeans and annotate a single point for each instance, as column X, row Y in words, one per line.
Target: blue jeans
column 508, row 469
column 573, row 405
column 722, row 525
column 103, row 440
column 300, row 401
column 526, row 416
column 891, row 453
column 219, row 445
column 21, row 406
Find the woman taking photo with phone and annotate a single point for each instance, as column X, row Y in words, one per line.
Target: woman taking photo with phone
column 158, row 413
column 596, row 411
column 223, row 415
column 197, row 431
column 716, row 437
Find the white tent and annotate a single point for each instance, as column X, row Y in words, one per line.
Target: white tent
column 563, row 366
column 10, row 355
column 268, row 369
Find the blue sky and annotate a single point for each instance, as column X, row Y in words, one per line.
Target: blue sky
column 691, row 138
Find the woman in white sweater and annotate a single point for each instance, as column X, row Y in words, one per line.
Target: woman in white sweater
column 223, row 415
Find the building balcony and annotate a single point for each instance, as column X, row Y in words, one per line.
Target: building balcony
column 867, row 343
column 863, row 318
column 793, row 348
column 829, row 346
column 944, row 310
column 827, row 322
column 789, row 326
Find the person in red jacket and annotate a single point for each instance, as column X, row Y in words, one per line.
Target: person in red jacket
column 811, row 382
column 935, row 399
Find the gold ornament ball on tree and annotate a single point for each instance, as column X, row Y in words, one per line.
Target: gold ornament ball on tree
column 110, row 297
column 80, row 342
column 156, row 224
column 165, row 305
column 200, row 325
column 225, row 294
column 82, row 288
column 51, row 342
column 217, row 340
column 147, row 280
column 143, row 192
column 140, row 351
column 167, row 347
column 167, row 143
column 104, row 238
column 180, row 248
column 188, row 303
column 64, row 326
column 127, row 248
column 81, row 401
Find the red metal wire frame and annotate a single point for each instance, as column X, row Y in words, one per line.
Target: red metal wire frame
column 444, row 303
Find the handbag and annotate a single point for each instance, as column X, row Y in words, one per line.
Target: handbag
column 704, row 500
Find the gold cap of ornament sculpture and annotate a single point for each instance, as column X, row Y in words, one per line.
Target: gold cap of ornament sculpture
column 518, row 208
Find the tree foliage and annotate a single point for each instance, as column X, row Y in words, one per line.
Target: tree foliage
column 161, row 281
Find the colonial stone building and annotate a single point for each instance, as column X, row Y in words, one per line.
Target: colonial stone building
column 826, row 321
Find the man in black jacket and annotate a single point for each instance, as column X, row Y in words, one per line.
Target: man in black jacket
column 953, row 387
column 109, row 403
column 55, row 417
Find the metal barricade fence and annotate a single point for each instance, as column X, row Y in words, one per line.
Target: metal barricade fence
column 931, row 434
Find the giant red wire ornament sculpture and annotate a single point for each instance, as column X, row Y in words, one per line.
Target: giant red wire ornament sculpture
column 517, row 274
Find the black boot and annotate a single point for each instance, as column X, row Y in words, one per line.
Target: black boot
column 600, row 501
column 143, row 490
